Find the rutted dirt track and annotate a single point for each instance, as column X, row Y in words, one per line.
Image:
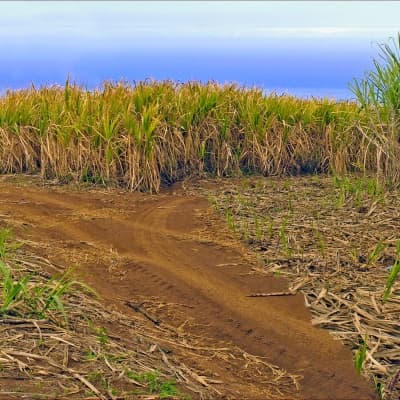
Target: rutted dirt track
column 170, row 256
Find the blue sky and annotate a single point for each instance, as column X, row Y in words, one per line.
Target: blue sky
column 44, row 41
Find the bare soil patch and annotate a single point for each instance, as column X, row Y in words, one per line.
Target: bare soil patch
column 154, row 257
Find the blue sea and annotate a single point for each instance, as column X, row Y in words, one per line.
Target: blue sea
column 319, row 68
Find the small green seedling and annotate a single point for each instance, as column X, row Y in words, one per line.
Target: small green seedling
column 321, row 241
column 12, row 291
column 376, row 252
column 360, row 356
column 378, row 388
column 394, row 271
column 155, row 384
column 229, row 220
column 6, row 246
column 102, row 335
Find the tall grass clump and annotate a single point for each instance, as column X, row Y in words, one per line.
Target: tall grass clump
column 379, row 96
column 151, row 133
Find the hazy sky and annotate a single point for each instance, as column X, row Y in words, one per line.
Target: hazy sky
column 276, row 44
column 177, row 21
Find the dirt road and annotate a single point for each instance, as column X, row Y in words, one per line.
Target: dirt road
column 168, row 254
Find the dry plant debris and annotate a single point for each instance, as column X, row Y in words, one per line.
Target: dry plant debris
column 335, row 240
column 76, row 350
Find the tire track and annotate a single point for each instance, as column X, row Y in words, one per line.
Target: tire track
column 168, row 259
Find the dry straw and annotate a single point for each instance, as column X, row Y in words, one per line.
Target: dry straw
column 339, row 254
column 77, row 351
